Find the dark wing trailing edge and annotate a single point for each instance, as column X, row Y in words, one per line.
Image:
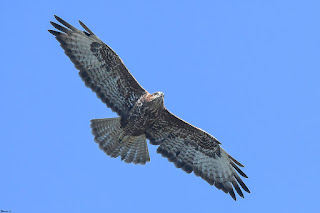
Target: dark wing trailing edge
column 192, row 149
column 100, row 67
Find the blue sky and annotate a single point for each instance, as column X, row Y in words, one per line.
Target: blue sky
column 245, row 71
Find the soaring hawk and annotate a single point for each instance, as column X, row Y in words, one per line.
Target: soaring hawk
column 143, row 115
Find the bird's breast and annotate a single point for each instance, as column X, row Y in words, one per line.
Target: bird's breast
column 140, row 118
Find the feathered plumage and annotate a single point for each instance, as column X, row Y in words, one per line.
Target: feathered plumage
column 143, row 115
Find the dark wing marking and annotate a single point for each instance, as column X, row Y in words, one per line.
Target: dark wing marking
column 100, row 67
column 192, row 149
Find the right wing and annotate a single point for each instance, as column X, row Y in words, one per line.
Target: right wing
column 100, row 67
column 194, row 150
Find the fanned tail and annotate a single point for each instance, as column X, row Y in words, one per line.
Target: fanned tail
column 114, row 141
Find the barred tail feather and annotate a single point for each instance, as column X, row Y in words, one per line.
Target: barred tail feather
column 114, row 141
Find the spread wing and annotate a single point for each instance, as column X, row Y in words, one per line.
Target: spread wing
column 99, row 67
column 192, row 149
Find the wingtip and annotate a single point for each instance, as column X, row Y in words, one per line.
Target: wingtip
column 86, row 28
column 237, row 162
column 56, row 17
column 238, row 170
column 232, row 194
column 63, row 22
column 53, row 32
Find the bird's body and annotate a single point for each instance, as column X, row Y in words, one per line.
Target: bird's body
column 143, row 115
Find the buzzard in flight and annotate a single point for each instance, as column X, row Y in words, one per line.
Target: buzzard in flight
column 142, row 115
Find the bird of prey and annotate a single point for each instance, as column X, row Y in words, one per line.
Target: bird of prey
column 142, row 115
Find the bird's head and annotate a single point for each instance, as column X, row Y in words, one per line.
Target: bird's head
column 157, row 98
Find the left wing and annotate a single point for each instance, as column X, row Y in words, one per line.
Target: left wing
column 100, row 67
column 192, row 149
